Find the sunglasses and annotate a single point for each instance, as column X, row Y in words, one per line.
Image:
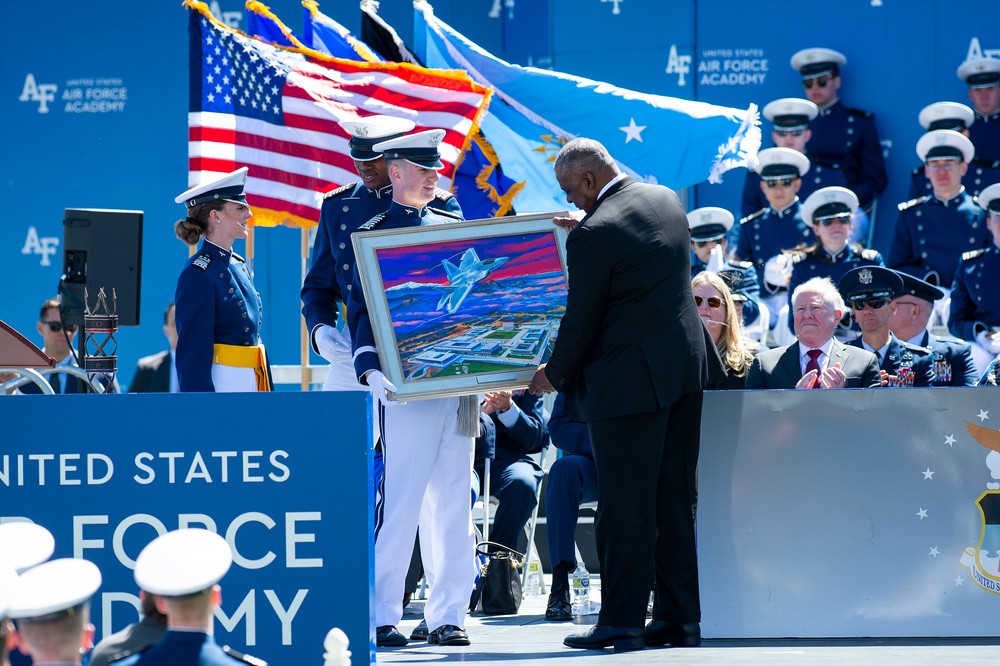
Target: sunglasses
column 783, row 182
column 795, row 132
column 714, row 241
column 938, row 165
column 821, row 81
column 57, row 326
column 827, row 221
column 873, row 303
column 714, row 302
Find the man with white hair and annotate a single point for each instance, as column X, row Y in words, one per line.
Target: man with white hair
column 815, row 359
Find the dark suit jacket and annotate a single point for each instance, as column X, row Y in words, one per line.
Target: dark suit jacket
column 920, row 359
column 152, row 374
column 631, row 341
column 779, row 368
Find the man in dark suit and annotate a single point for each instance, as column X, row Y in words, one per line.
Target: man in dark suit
column 633, row 358
column 157, row 373
column 816, row 359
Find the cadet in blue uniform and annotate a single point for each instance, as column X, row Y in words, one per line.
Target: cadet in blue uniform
column 933, row 231
column 956, row 117
column 183, row 568
column 709, row 227
column 217, row 308
column 829, row 211
column 975, row 299
column 869, row 291
column 428, row 444
column 953, row 364
column 982, row 75
column 773, row 230
column 331, row 276
column 841, row 135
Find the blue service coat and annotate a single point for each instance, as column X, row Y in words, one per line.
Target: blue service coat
column 216, row 303
column 975, row 298
column 331, row 275
column 914, row 362
column 932, row 234
column 187, row 647
column 953, row 365
column 769, row 232
column 985, row 136
column 848, row 137
column 398, row 216
column 818, row 262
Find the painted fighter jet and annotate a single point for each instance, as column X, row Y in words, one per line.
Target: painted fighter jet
column 463, row 278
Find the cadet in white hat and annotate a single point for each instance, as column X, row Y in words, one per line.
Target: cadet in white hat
column 420, row 149
column 217, row 309
column 365, row 133
column 829, row 203
column 51, row 603
column 946, row 115
column 24, row 545
column 982, row 75
column 959, row 118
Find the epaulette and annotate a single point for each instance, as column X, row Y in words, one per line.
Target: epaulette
column 442, row 195
column 245, row 658
column 986, row 164
column 238, row 258
column 859, row 112
column 949, row 338
column 202, row 261
column 869, row 254
column 374, row 222
column 913, row 202
column 913, row 347
column 448, row 213
column 753, row 216
column 917, row 171
column 972, row 254
column 340, row 191
column 121, row 654
column 741, row 264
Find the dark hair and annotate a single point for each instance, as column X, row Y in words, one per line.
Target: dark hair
column 195, row 225
column 50, row 304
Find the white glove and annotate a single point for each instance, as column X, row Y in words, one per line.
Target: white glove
column 717, row 260
column 989, row 341
column 381, row 388
column 778, row 270
column 331, row 343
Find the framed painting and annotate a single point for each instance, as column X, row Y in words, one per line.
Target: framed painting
column 466, row 307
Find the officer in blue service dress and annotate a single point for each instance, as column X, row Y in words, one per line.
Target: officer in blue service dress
column 869, row 291
column 183, row 568
column 933, row 231
column 709, row 226
column 982, row 75
column 51, row 606
column 953, row 364
column 331, row 276
column 840, row 134
column 956, row 117
column 975, row 299
column 217, row 309
column 771, row 231
column 427, row 444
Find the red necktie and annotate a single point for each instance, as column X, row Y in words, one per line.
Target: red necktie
column 813, row 364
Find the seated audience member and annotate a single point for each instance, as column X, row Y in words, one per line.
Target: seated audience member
column 956, row 117
column 778, row 227
column 135, row 637
column 869, row 291
column 816, row 359
column 982, row 75
column 975, row 299
column 953, row 364
column 572, row 481
column 716, row 308
column 709, row 227
column 158, row 373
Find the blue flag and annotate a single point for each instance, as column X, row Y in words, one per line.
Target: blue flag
column 657, row 139
column 267, row 27
column 322, row 33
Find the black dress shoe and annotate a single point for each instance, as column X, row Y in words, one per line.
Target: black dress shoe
column 448, row 634
column 559, row 608
column 601, row 636
column 419, row 632
column 388, row 636
column 661, row 632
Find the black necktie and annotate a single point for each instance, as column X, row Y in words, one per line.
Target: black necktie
column 54, row 381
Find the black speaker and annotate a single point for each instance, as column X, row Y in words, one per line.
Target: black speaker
column 101, row 249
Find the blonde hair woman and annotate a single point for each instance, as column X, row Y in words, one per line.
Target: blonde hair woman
column 715, row 305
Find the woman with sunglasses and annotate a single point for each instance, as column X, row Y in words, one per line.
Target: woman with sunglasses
column 217, row 309
column 829, row 212
column 716, row 308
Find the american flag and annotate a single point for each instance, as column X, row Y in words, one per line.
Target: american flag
column 276, row 110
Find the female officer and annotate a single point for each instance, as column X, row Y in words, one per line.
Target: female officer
column 218, row 311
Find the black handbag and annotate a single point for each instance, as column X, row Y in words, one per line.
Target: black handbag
column 499, row 586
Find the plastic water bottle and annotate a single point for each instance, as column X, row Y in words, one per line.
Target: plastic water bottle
column 581, row 590
column 534, row 586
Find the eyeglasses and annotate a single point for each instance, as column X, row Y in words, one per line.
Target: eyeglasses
column 795, row 132
column 782, row 182
column 821, row 81
column 714, row 241
column 873, row 303
column 714, row 302
column 57, row 326
column 827, row 221
column 943, row 165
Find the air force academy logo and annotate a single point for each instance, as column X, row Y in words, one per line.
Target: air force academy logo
column 34, row 92
column 983, row 561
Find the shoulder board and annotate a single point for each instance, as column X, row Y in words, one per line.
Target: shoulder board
column 245, row 658
column 858, row 112
column 948, row 338
column 340, row 191
column 238, row 258
column 753, row 216
column 986, row 164
column 972, row 254
column 741, row 264
column 913, row 347
column 121, row 654
column 202, row 261
column 448, row 213
column 917, row 171
column 442, row 195
column 374, row 222
column 869, row 254
column 913, row 202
